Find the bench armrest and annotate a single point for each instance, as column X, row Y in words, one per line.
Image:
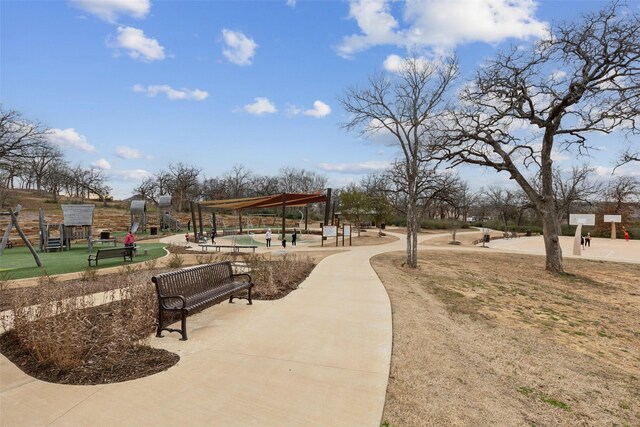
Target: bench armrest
column 247, row 275
column 170, row 297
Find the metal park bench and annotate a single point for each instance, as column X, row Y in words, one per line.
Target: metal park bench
column 185, row 290
column 124, row 253
column 234, row 248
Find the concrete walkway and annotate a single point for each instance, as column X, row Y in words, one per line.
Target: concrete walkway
column 319, row 356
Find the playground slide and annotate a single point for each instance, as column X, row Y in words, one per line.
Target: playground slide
column 134, row 227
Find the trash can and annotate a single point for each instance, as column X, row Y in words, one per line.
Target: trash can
column 105, row 235
column 382, row 226
column 528, row 233
column 153, row 231
column 487, row 238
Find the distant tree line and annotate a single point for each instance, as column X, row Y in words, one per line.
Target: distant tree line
column 28, row 160
column 185, row 183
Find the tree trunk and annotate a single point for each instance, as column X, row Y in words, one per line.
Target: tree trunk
column 412, row 234
column 551, row 229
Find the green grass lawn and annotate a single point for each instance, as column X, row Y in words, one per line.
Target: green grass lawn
column 18, row 263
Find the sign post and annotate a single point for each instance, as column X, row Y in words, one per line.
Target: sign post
column 346, row 231
column 329, row 231
column 613, row 219
column 580, row 220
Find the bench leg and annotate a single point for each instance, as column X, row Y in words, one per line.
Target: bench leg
column 183, row 327
column 159, row 330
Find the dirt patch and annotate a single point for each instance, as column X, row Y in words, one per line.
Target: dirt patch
column 489, row 339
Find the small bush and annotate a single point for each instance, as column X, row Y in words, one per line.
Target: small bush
column 89, row 275
column 276, row 278
column 175, row 261
column 74, row 333
column 205, row 258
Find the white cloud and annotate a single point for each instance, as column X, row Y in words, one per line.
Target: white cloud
column 101, row 164
column 558, row 75
column 138, row 45
column 291, row 3
column 171, row 93
column 260, row 106
column 71, row 139
column 319, row 110
column 440, row 25
column 240, row 48
column 127, row 152
column 108, row 10
column 355, row 168
column 395, row 63
column 130, row 175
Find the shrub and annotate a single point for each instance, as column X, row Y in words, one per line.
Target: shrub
column 276, row 278
column 175, row 261
column 72, row 333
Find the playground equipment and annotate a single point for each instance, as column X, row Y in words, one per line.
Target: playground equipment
column 166, row 220
column 261, row 220
column 78, row 223
column 138, row 216
column 13, row 222
column 51, row 235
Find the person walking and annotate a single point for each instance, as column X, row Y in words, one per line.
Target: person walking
column 294, row 237
column 626, row 235
column 587, row 240
column 267, row 237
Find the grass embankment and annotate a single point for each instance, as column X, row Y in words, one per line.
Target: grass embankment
column 490, row 339
column 18, row 263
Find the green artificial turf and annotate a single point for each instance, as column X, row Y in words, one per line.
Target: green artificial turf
column 18, row 263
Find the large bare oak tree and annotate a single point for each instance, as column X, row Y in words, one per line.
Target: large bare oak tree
column 525, row 106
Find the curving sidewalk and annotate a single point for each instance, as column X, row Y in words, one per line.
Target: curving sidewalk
column 319, row 356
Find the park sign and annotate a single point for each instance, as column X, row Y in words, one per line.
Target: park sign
column 582, row 219
column 329, row 231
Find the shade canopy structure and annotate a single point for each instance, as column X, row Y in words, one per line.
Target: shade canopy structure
column 283, row 200
column 289, row 200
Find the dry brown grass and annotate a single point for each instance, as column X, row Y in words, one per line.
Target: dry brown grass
column 491, row 339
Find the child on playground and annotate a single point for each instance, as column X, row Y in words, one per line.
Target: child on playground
column 626, row 235
column 294, row 237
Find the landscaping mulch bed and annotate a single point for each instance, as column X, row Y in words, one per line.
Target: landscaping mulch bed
column 138, row 362
column 101, row 366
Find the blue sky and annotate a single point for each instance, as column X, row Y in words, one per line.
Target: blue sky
column 129, row 86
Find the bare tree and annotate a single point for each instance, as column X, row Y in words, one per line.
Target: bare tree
column 294, row 180
column 573, row 187
column 18, row 136
column 183, row 182
column 405, row 106
column 622, row 191
column 148, row 189
column 237, row 181
column 503, row 202
column 582, row 78
column 628, row 155
column 41, row 156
